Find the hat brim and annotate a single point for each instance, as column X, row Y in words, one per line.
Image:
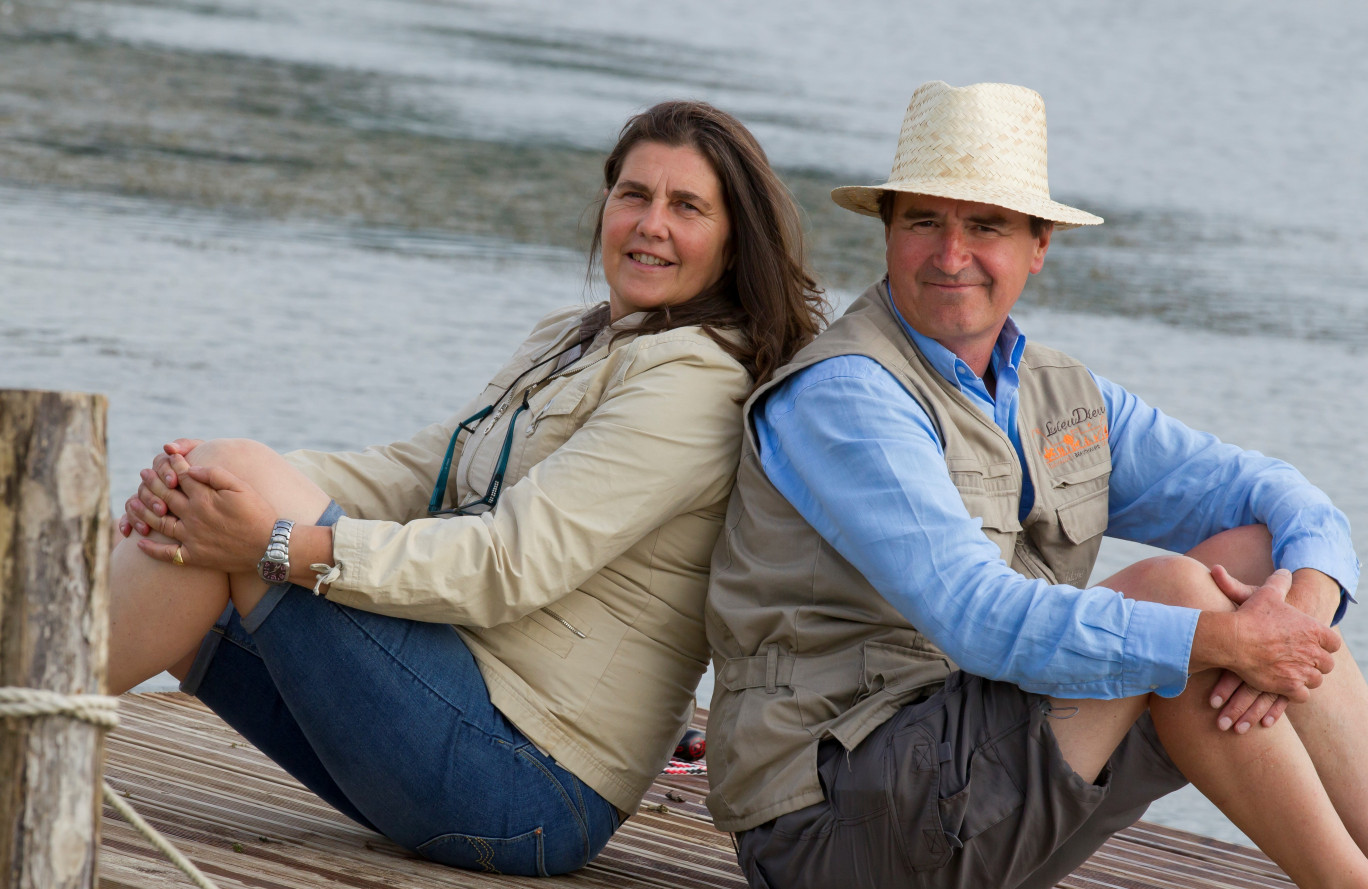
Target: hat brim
column 864, row 199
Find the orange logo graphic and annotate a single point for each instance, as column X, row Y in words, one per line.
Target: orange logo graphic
column 1062, row 440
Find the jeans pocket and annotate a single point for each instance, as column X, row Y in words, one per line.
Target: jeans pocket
column 521, row 855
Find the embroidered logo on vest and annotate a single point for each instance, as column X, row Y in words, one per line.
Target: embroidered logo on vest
column 1065, row 438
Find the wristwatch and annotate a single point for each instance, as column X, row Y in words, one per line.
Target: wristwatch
column 274, row 567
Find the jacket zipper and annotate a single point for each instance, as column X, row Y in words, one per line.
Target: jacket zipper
column 565, row 622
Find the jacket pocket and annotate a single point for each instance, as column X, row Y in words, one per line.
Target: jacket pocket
column 567, row 400
column 548, row 424
column 554, row 627
column 523, row 855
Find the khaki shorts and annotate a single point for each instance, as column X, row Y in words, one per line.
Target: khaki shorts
column 964, row 789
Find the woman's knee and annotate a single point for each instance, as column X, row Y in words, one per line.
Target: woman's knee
column 261, row 467
column 240, row 456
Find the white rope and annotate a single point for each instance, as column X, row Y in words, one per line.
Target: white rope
column 157, row 840
column 96, row 710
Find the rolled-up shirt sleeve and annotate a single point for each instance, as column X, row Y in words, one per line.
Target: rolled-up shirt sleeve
column 860, row 460
column 1173, row 487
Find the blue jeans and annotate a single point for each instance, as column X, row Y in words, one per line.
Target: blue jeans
column 389, row 721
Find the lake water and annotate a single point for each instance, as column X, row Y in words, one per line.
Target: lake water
column 360, row 206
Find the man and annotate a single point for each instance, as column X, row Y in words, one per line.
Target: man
column 914, row 684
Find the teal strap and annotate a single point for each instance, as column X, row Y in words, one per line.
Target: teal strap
column 439, row 490
column 496, row 483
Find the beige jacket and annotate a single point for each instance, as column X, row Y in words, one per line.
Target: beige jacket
column 805, row 648
column 581, row 594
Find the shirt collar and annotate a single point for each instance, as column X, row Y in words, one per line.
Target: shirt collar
column 1011, row 343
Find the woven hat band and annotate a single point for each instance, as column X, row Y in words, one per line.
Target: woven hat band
column 984, row 143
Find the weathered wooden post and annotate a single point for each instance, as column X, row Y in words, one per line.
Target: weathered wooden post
column 54, row 557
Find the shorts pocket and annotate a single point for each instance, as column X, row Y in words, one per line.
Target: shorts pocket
column 944, row 794
column 522, row 855
column 912, row 776
column 987, row 795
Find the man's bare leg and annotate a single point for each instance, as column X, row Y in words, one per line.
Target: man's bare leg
column 1333, row 722
column 1263, row 780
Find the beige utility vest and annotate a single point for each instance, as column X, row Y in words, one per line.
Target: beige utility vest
column 804, row 647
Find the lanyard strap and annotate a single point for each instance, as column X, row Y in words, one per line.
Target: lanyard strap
column 438, row 490
column 468, row 425
column 496, row 482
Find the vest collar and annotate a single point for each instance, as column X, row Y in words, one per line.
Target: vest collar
column 1011, row 344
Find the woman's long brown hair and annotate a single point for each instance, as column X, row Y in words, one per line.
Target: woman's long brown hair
column 767, row 293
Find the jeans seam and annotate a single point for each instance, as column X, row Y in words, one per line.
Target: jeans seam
column 580, row 819
column 408, row 671
column 415, row 677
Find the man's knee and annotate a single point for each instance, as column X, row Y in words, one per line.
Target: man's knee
column 1171, row 580
column 1246, row 552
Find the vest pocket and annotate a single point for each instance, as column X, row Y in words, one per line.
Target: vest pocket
column 990, row 493
column 1084, row 518
column 897, row 667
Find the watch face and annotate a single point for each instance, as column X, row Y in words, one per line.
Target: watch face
column 273, row 572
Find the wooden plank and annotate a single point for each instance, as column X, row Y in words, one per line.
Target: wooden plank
column 248, row 825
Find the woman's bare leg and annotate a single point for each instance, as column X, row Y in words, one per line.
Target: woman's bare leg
column 159, row 611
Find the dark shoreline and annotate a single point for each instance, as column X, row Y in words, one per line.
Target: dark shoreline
column 304, row 142
column 265, row 138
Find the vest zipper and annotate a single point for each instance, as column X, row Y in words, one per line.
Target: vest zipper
column 1028, row 557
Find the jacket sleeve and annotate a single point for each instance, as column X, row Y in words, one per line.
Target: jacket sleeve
column 393, row 482
column 663, row 441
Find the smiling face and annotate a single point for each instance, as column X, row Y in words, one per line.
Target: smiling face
column 956, row 269
column 666, row 233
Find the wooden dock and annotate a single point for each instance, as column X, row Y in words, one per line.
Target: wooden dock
column 248, row 825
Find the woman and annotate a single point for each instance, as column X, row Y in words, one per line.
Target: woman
column 507, row 630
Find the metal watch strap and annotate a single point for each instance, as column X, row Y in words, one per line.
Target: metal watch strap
column 274, row 567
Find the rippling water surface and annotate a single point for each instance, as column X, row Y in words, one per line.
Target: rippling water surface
column 319, row 223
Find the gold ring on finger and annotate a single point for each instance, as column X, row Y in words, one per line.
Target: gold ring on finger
column 177, row 557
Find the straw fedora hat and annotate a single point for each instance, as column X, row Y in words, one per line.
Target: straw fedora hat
column 983, row 143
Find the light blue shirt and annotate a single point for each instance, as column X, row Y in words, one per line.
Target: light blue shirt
column 859, row 459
